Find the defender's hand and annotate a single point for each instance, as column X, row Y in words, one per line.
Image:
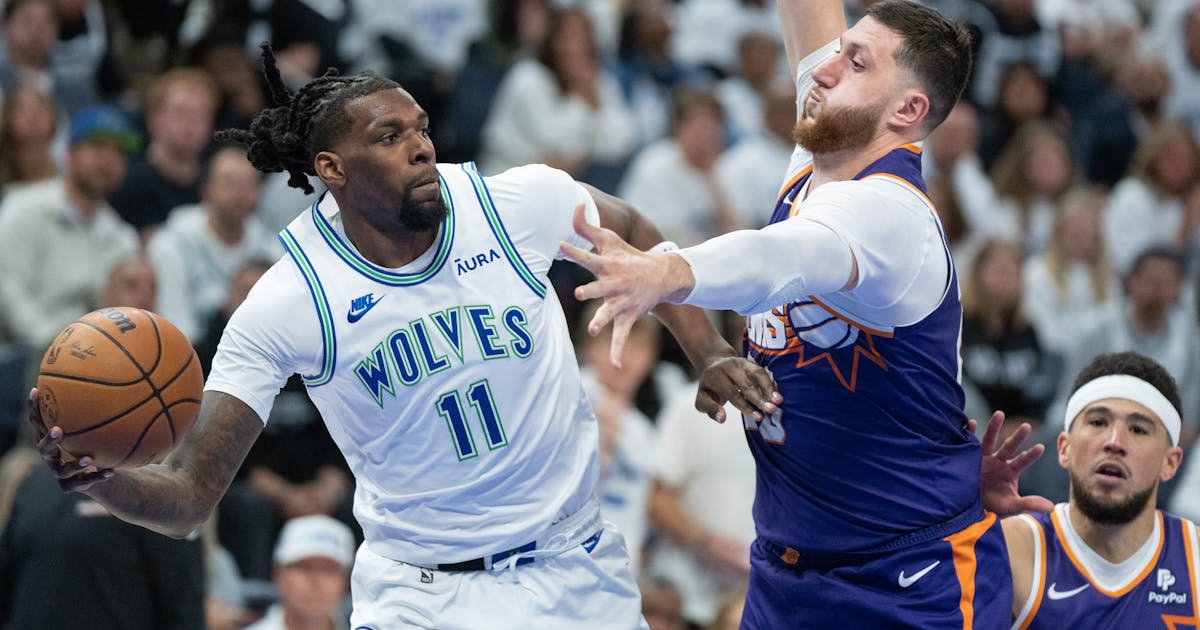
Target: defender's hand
column 1001, row 467
column 631, row 281
column 73, row 474
column 742, row 382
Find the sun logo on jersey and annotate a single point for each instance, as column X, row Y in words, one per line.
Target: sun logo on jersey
column 814, row 333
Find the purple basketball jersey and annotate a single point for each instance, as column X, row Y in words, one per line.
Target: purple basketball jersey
column 875, row 447
column 1162, row 595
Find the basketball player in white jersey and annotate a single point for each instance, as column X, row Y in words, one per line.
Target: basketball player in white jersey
column 415, row 302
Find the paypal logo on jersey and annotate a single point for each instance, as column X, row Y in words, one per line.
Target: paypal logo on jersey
column 360, row 305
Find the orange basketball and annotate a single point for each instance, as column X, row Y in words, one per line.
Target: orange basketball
column 123, row 384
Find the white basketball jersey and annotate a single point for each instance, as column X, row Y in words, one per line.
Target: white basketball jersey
column 452, row 388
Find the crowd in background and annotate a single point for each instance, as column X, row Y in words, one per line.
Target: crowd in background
column 1067, row 181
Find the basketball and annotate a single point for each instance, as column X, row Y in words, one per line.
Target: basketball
column 123, row 384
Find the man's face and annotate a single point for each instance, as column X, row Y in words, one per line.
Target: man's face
column 1116, row 453
column 184, row 121
column 96, row 166
column 32, row 31
column 855, row 91
column 1156, row 286
column 390, row 164
column 233, row 186
column 312, row 588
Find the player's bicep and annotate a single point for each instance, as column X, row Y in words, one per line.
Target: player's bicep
column 808, row 25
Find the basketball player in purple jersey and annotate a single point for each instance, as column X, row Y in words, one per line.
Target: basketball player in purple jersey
column 867, row 509
column 1107, row 558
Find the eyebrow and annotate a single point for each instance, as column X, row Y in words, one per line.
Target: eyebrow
column 1133, row 415
column 398, row 123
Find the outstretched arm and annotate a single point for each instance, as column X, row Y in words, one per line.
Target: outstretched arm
column 173, row 497
column 809, row 24
column 735, row 379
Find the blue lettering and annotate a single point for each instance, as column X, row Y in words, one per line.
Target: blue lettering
column 447, row 324
column 374, row 374
column 434, row 362
column 481, row 320
column 406, row 360
column 514, row 322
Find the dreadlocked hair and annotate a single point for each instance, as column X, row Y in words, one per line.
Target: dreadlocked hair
column 288, row 136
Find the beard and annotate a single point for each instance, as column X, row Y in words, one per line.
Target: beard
column 420, row 216
column 838, row 128
column 1118, row 513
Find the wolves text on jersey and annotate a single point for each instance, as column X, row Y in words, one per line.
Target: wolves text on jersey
column 411, row 353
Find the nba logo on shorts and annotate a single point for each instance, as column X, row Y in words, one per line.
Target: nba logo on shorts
column 1165, row 579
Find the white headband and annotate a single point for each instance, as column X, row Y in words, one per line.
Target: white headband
column 1129, row 388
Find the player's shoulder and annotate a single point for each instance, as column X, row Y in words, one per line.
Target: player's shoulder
column 282, row 290
column 531, row 183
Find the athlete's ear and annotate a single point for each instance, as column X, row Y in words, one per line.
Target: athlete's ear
column 1171, row 463
column 329, row 168
column 912, row 110
column 1063, row 443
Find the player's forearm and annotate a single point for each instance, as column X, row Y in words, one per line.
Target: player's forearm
column 807, row 25
column 750, row 271
column 155, row 497
column 175, row 497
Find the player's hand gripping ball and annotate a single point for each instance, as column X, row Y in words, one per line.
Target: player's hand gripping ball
column 123, row 384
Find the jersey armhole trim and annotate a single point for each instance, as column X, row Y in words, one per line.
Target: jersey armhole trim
column 1191, row 548
column 317, row 291
column 1033, row 601
column 497, row 226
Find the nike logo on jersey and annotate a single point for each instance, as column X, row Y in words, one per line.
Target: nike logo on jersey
column 360, row 305
column 1056, row 594
column 907, row 581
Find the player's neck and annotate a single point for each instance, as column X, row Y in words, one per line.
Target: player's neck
column 844, row 165
column 390, row 247
column 1114, row 543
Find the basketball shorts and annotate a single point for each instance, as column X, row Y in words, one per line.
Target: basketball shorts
column 583, row 581
column 956, row 582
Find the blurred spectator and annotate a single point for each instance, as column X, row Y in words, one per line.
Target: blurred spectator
column 729, row 612
column 60, row 239
column 200, row 247
column 424, row 45
column 1152, row 321
column 1001, row 354
column 181, row 106
column 29, row 54
column 131, row 283
column 749, row 172
column 1023, row 96
column 673, row 181
column 28, row 125
column 662, row 605
column 563, row 109
column 517, row 31
column 1186, row 500
column 742, row 93
column 312, row 573
column 225, row 606
column 1029, row 179
column 708, row 31
column 1108, row 127
column 65, row 562
column 1019, row 37
column 1180, row 51
column 701, row 502
column 308, row 35
column 1156, row 204
column 646, row 70
column 628, row 440
column 1071, row 288
column 242, row 95
column 954, row 173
